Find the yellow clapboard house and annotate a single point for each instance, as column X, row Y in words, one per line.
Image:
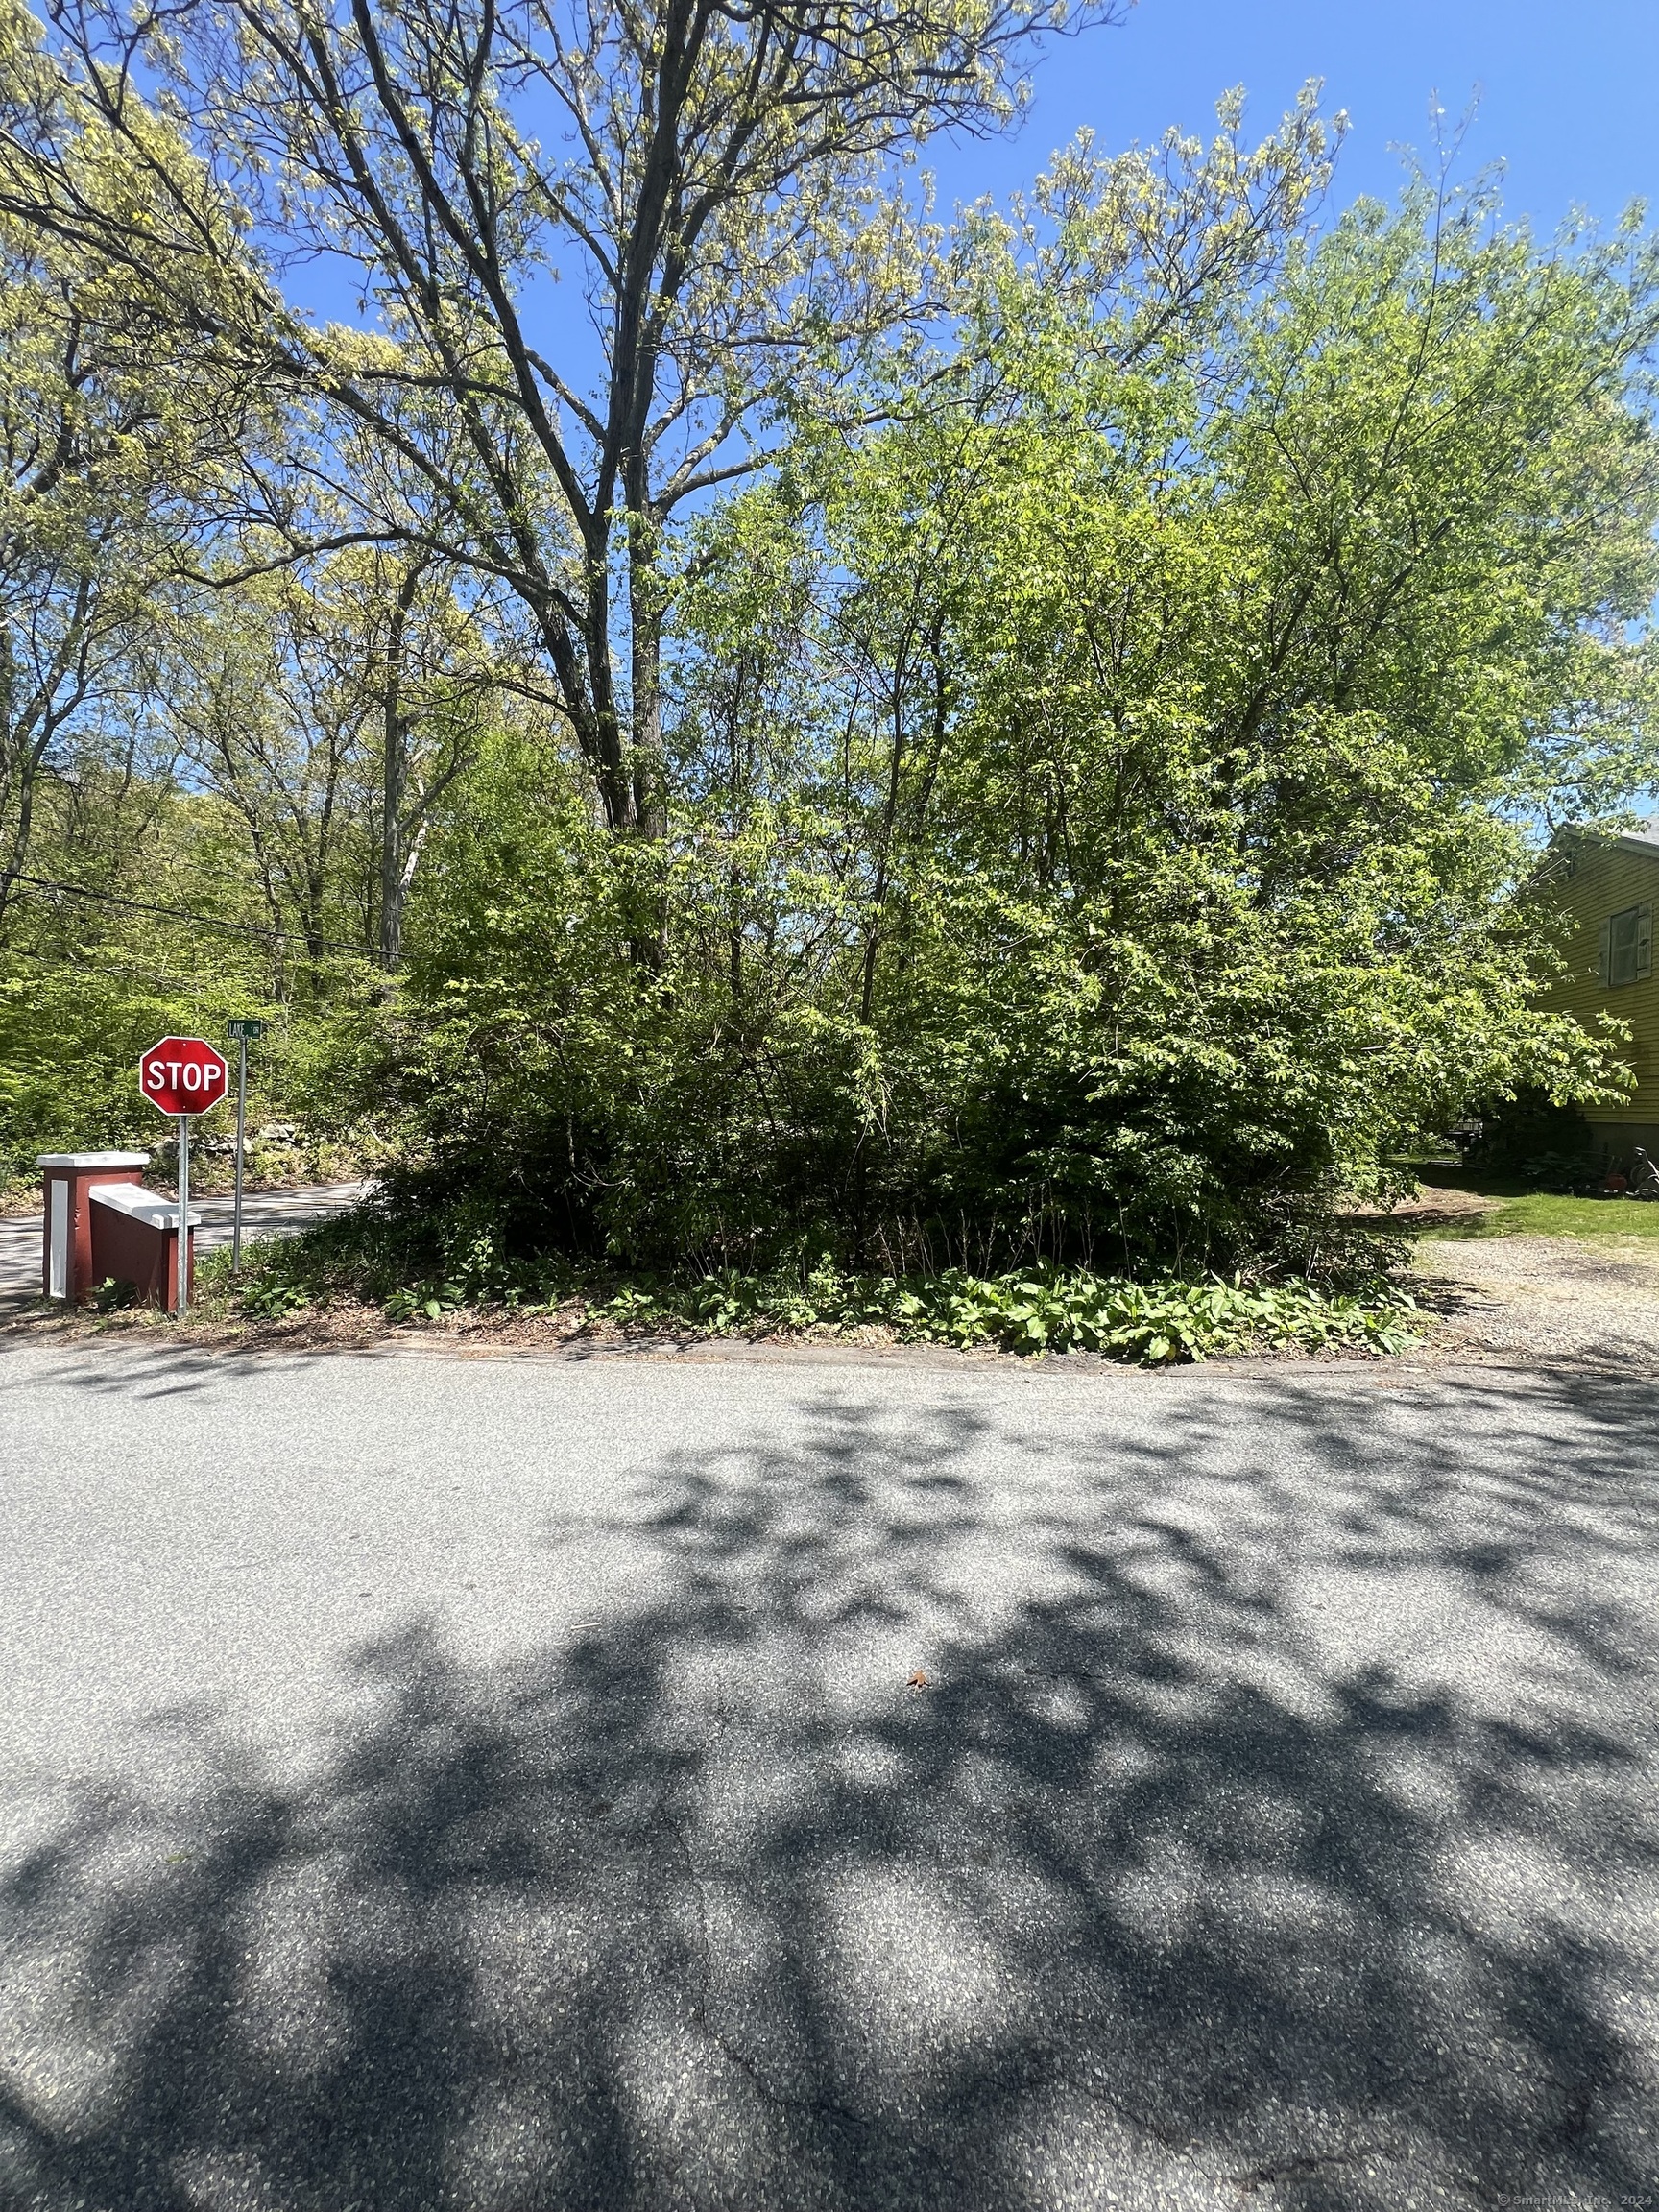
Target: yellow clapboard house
column 1608, row 888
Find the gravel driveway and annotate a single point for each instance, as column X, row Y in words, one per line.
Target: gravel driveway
column 1554, row 1300
column 624, row 1785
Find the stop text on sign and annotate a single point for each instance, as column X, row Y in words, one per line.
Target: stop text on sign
column 182, row 1075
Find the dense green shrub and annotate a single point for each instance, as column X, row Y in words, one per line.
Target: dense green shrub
column 1092, row 800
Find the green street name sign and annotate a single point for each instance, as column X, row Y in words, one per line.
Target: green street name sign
column 248, row 1029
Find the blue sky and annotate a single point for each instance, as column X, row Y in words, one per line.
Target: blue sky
column 1569, row 92
column 1567, row 96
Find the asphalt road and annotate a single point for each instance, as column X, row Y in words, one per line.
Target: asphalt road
column 264, row 1214
column 770, row 1784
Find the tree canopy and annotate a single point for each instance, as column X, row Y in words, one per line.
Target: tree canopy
column 828, row 730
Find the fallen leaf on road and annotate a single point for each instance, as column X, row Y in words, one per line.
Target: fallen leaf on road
column 916, row 1681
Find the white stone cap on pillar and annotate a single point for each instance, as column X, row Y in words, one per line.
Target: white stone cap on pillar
column 143, row 1205
column 91, row 1159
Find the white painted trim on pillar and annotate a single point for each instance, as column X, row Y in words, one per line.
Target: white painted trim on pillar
column 58, row 1240
column 91, row 1159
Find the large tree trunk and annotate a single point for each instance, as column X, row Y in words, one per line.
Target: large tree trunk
column 615, row 786
column 395, row 780
column 13, row 866
column 649, row 770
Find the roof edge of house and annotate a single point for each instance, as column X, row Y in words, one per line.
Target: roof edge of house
column 1643, row 840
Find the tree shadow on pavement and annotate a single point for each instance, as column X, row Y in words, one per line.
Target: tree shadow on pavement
column 1168, row 1820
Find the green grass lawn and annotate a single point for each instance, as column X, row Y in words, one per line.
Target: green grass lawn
column 1522, row 1212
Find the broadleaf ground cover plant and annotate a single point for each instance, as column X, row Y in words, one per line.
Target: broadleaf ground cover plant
column 1034, row 1311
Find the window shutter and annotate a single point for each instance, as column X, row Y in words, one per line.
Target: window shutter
column 1643, row 941
column 1604, row 958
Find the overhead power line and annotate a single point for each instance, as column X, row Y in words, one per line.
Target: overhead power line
column 179, row 914
column 99, row 964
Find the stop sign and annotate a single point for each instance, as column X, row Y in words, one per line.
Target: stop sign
column 182, row 1075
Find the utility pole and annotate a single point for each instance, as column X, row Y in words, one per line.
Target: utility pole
column 241, row 1030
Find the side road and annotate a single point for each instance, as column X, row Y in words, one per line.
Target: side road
column 654, row 1784
column 264, row 1214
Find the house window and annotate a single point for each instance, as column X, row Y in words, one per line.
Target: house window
column 1628, row 946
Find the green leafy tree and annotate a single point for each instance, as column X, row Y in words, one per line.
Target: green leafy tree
column 1101, row 792
column 714, row 179
column 331, row 708
column 117, row 435
column 1093, row 732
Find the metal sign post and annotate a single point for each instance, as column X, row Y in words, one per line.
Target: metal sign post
column 183, row 1301
column 182, row 1077
column 242, row 1030
column 241, row 1135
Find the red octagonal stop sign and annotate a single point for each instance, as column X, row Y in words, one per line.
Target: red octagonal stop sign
column 182, row 1075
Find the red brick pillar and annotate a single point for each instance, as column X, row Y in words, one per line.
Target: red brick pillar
column 135, row 1240
column 66, row 1242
